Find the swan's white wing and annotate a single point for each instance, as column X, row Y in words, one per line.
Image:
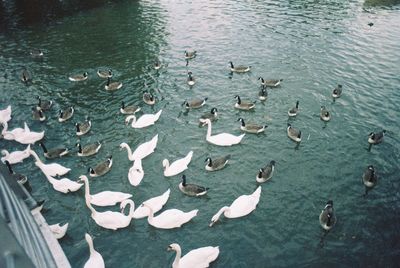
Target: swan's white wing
column 245, row 204
column 108, row 198
column 172, row 218
column 156, row 203
column 110, row 219
column 199, row 258
column 95, row 261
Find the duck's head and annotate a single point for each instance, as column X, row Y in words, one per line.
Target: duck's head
column 272, row 162
column 91, row 171
column 371, row 168
column 214, row 110
column 208, row 160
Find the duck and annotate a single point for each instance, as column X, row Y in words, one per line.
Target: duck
column 148, row 98
column 59, row 230
column 376, row 138
column 101, row 168
column 89, row 149
column 241, row 206
column 5, row 114
column 53, row 169
column 156, row 203
column 190, row 80
column 25, row 76
column 143, row 121
column 293, row 133
column 157, row 64
column 16, row 156
column 45, row 105
column 177, row 166
column 190, row 54
column 293, row 111
column 36, row 53
column 222, row 139
column 142, row 151
column 240, row 68
column 95, row 259
column 325, row 115
column 270, row 82
column 105, row 73
column 218, row 163
column 212, row 115
column 244, row 105
column 84, row 127
column 195, row 103
column 135, row 173
column 266, row 173
column 337, row 91
column 78, row 77
column 112, row 220
column 251, row 128
column 192, row 189
column 38, row 115
column 170, row 218
column 54, row 152
column 63, row 185
column 369, row 178
column 327, row 218
column 131, row 109
column 20, row 178
column 263, row 94
column 200, row 257
column 112, row 86
column 66, row 114
column 104, row 198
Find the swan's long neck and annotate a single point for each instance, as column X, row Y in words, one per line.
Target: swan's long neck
column 151, row 215
column 51, row 179
column 87, row 189
column 87, row 201
column 131, row 118
column 91, row 247
column 225, row 210
column 209, row 130
column 34, row 154
column 175, row 264
column 130, row 155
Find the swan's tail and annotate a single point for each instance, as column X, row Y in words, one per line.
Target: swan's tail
column 188, row 157
column 157, row 115
column 257, row 193
column 192, row 214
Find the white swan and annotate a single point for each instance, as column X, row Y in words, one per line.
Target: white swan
column 111, row 219
column 5, row 115
column 170, row 218
column 16, row 156
column 11, row 134
column 196, row 258
column 58, row 230
column 25, row 136
column 95, row 259
column 135, row 174
column 178, row 166
column 222, row 139
column 53, row 169
column 144, row 121
column 63, row 185
column 242, row 206
column 156, row 203
column 104, row 198
column 143, row 150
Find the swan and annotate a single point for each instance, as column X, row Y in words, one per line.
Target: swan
column 105, row 73
column 63, row 185
column 337, row 91
column 190, row 80
column 21, row 135
column 131, row 109
column 196, row 258
column 142, row 151
column 192, row 189
column 44, row 104
column 263, row 94
column 327, row 218
column 240, row 68
column 251, row 128
column 101, row 168
column 144, row 121
column 84, row 127
column 293, row 133
column 266, row 172
column 244, row 105
column 135, row 173
column 369, row 178
column 58, row 230
column 196, row 103
column 12, row 134
column 95, row 259
column 16, row 156
column 112, row 86
column 190, row 54
column 78, row 77
column 170, row 218
column 104, row 198
column 325, row 115
column 5, row 115
column 111, row 219
column 293, row 111
column 242, row 206
column 217, row 163
column 177, row 166
column 89, row 149
column 222, row 139
column 212, row 115
column 156, row 203
column 53, row 152
column 270, row 82
column 66, row 114
column 375, row 138
column 53, row 169
column 148, row 98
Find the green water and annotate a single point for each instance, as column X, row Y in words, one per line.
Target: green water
column 312, row 45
